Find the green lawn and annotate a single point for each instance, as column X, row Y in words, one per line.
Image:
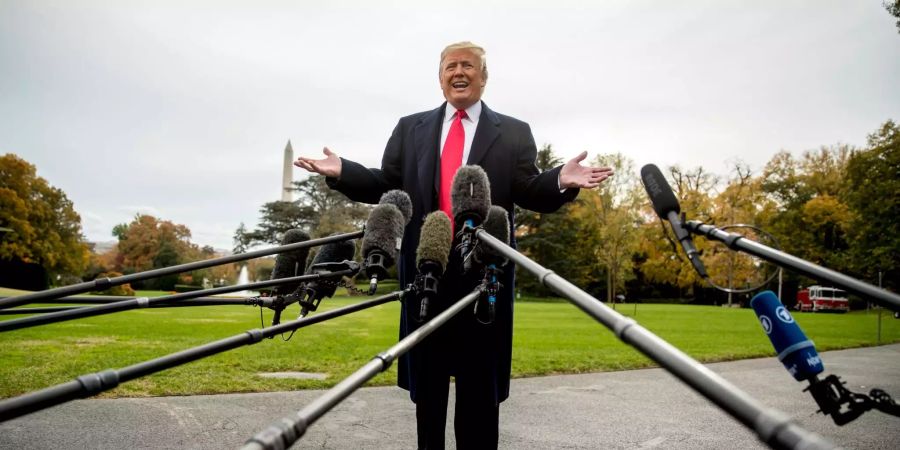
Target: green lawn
column 549, row 338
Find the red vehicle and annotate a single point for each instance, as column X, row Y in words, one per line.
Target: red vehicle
column 819, row 298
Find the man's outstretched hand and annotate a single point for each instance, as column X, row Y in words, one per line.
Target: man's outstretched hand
column 574, row 175
column 330, row 166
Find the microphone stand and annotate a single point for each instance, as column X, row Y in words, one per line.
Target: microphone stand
column 771, row 426
column 105, row 283
column 144, row 302
column 94, row 383
column 740, row 243
column 285, row 432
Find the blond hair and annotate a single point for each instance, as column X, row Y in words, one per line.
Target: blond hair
column 466, row 45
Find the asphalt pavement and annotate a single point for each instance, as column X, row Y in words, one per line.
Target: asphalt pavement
column 636, row 409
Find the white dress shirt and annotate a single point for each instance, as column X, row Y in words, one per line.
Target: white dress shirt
column 470, row 124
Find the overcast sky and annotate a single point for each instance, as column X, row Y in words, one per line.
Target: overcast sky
column 182, row 109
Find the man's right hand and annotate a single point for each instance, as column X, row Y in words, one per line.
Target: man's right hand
column 330, row 166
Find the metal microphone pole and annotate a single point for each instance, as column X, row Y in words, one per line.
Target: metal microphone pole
column 104, row 283
column 738, row 242
column 94, row 383
column 104, row 299
column 773, row 427
column 250, row 301
column 286, row 431
column 50, row 309
column 143, row 302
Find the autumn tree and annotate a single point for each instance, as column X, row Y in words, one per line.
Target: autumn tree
column 39, row 222
column 873, row 194
column 608, row 220
column 150, row 243
column 742, row 201
column 661, row 259
column 812, row 219
column 106, row 261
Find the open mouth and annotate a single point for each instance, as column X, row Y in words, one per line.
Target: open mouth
column 460, row 84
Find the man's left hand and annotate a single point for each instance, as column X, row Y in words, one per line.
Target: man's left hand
column 574, row 175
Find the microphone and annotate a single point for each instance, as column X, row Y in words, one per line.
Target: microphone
column 399, row 199
column 384, row 235
column 432, row 255
column 288, row 264
column 470, row 197
column 799, row 356
column 497, row 225
column 381, row 243
column 666, row 206
column 331, row 257
column 795, row 350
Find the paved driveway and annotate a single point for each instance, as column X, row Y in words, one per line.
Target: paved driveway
column 621, row 410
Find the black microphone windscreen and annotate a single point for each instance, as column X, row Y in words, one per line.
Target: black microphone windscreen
column 661, row 195
column 470, row 195
column 291, row 263
column 401, row 200
column 435, row 240
column 384, row 230
column 334, row 252
column 497, row 225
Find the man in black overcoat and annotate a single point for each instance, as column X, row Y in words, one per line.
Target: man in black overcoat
column 476, row 355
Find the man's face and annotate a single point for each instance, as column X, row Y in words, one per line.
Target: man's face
column 461, row 78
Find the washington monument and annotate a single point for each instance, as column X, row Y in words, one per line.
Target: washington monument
column 287, row 178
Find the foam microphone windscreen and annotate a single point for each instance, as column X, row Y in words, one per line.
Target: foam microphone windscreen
column 291, row 263
column 334, row 252
column 497, row 225
column 435, row 240
column 401, row 200
column 659, row 191
column 795, row 350
column 384, row 231
column 470, row 195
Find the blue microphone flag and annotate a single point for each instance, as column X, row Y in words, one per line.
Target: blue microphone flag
column 795, row 350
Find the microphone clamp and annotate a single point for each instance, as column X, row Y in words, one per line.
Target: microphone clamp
column 276, row 303
column 375, row 269
column 467, row 241
column 425, row 287
column 486, row 313
column 845, row 406
column 261, row 301
column 312, row 293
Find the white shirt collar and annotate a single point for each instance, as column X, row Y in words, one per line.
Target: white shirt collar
column 473, row 112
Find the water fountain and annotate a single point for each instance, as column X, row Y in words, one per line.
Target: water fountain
column 244, row 278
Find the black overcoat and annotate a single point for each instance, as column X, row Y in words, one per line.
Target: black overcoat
column 504, row 147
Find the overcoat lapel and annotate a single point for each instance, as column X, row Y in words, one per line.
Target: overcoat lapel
column 427, row 134
column 487, row 132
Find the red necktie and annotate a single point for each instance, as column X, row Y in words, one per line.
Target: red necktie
column 451, row 159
